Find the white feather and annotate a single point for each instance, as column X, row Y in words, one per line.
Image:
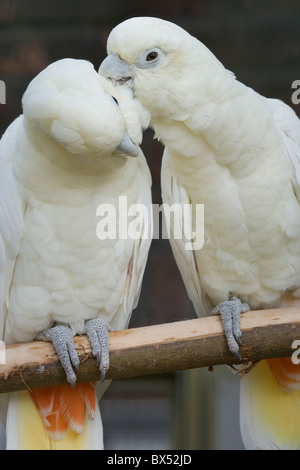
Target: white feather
column 234, row 151
column 288, row 125
column 11, row 216
column 58, row 163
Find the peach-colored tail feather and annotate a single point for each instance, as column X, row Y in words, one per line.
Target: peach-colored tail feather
column 64, row 407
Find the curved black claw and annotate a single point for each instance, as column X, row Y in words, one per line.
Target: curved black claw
column 230, row 312
column 62, row 338
column 97, row 331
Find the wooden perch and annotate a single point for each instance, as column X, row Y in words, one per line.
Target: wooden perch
column 155, row 349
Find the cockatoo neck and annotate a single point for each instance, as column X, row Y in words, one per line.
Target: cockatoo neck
column 48, row 165
column 207, row 132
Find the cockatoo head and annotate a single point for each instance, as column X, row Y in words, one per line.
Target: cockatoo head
column 83, row 111
column 160, row 61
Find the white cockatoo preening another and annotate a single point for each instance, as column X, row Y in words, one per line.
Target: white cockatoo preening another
column 74, row 148
column 238, row 153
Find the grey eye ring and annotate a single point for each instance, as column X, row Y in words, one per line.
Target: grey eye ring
column 150, row 58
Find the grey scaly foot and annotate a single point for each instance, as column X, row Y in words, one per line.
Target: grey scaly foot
column 62, row 338
column 230, row 312
column 97, row 331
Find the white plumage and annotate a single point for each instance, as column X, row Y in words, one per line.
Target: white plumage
column 226, row 147
column 59, row 161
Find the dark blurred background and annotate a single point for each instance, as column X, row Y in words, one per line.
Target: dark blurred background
column 259, row 40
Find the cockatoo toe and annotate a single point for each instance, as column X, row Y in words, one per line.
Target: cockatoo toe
column 230, row 312
column 62, row 338
column 97, row 331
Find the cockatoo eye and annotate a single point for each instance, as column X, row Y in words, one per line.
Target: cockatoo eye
column 150, row 58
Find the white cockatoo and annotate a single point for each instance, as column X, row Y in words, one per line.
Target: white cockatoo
column 64, row 269
column 238, row 154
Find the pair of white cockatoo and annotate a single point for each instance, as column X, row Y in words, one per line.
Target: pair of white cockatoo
column 226, row 147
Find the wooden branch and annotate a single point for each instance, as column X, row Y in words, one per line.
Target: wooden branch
column 155, row 349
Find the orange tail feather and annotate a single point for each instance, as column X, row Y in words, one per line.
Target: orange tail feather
column 64, row 407
column 286, row 373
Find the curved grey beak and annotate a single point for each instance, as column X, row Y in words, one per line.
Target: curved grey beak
column 127, row 147
column 120, row 72
column 116, row 69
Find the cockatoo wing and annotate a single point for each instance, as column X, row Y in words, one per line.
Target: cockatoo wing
column 270, row 393
column 11, row 216
column 11, row 228
column 143, row 242
column 288, row 125
column 140, row 231
column 176, row 196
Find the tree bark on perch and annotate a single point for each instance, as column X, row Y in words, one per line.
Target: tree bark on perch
column 155, row 349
